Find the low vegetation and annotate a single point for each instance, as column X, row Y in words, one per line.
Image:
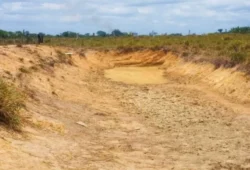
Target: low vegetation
column 227, row 49
column 11, row 102
column 233, row 48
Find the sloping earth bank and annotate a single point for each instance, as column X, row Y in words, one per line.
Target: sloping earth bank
column 187, row 121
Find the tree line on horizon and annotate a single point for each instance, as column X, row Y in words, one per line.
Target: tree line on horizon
column 116, row 32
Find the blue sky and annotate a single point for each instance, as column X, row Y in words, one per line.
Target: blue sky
column 142, row 16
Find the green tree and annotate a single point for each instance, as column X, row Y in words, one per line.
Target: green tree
column 220, row 30
column 3, row 34
column 117, row 32
column 69, row 34
column 240, row 30
column 87, row 34
column 101, row 34
column 19, row 34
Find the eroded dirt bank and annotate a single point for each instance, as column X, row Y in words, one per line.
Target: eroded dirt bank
column 187, row 120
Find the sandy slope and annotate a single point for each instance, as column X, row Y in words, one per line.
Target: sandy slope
column 176, row 122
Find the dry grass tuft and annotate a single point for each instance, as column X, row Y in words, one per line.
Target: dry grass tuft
column 63, row 58
column 11, row 102
column 24, row 70
column 19, row 45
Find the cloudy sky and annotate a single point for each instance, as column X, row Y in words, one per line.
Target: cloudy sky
column 142, row 16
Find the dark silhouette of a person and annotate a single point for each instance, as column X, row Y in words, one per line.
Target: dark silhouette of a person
column 40, row 38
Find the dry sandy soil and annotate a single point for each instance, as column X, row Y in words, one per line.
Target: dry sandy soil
column 141, row 110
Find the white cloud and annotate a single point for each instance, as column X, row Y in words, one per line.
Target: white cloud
column 115, row 10
column 145, row 10
column 53, row 6
column 71, row 18
column 225, row 2
column 13, row 6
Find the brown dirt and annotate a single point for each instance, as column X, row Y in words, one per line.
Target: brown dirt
column 185, row 122
column 136, row 75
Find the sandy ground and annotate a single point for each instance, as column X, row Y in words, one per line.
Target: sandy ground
column 136, row 75
column 133, row 117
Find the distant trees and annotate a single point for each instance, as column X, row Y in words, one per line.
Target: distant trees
column 116, row 32
column 175, row 34
column 3, row 34
column 87, row 35
column 133, row 34
column 18, row 34
column 69, row 34
column 240, row 30
column 153, row 33
column 220, row 30
column 101, row 33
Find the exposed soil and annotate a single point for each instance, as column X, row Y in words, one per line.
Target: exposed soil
column 137, row 75
column 132, row 117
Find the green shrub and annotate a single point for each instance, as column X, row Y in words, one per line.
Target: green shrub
column 235, row 46
column 11, row 102
column 238, row 57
